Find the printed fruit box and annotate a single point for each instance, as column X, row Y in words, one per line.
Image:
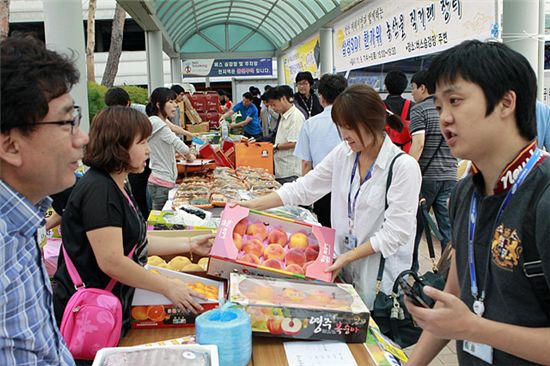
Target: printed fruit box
column 301, row 309
column 254, row 242
column 153, row 310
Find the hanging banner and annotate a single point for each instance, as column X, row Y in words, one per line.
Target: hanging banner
column 385, row 31
column 228, row 67
column 304, row 57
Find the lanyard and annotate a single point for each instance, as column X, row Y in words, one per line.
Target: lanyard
column 478, row 304
column 351, row 206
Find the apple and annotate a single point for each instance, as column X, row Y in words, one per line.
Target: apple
column 241, row 226
column 274, row 325
column 253, row 246
column 278, row 236
column 294, row 268
column 274, row 251
column 291, row 326
column 257, row 230
column 273, row 263
column 312, row 252
column 238, row 240
column 250, row 258
column 298, row 240
column 295, row 256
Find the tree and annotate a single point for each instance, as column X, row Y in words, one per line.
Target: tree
column 4, row 18
column 115, row 49
column 90, row 44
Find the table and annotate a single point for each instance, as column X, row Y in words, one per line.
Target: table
column 266, row 351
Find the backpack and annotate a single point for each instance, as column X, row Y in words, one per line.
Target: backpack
column 92, row 319
column 402, row 139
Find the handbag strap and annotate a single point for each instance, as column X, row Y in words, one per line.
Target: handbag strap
column 433, row 156
column 427, row 230
column 382, row 260
column 405, row 110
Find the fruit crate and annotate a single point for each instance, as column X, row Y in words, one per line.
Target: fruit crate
column 301, row 309
column 254, row 242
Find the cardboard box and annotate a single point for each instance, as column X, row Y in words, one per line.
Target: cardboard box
column 202, row 127
column 207, row 151
column 154, row 310
column 256, row 155
column 198, row 100
column 301, row 309
column 226, row 258
column 211, row 350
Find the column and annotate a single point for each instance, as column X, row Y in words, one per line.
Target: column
column 327, row 64
column 280, row 71
column 175, row 70
column 64, row 31
column 155, row 70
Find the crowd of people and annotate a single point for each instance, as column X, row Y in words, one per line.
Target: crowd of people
column 363, row 163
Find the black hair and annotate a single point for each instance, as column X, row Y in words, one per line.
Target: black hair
column 422, row 78
column 267, row 87
column 396, row 82
column 281, row 91
column 31, row 75
column 177, row 89
column 248, row 96
column 496, row 69
column 331, row 85
column 161, row 96
column 304, row 75
column 117, row 96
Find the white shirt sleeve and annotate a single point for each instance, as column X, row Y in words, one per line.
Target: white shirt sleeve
column 400, row 216
column 171, row 138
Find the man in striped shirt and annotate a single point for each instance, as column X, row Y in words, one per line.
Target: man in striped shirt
column 436, row 162
column 40, row 146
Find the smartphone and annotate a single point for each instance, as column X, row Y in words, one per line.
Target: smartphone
column 412, row 293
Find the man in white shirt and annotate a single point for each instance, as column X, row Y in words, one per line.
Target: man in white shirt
column 319, row 136
column 287, row 166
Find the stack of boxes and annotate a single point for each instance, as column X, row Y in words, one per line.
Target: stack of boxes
column 207, row 106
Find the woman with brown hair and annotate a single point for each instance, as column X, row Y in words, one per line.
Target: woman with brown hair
column 356, row 172
column 102, row 225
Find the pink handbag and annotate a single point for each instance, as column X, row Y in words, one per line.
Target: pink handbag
column 92, row 318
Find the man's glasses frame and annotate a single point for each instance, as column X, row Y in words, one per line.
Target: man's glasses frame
column 75, row 122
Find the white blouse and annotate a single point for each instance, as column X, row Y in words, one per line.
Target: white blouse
column 391, row 232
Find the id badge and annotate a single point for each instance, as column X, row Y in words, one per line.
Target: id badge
column 481, row 351
column 350, row 241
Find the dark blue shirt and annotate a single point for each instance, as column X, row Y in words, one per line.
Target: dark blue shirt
column 253, row 127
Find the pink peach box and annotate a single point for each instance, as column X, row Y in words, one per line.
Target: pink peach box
column 258, row 243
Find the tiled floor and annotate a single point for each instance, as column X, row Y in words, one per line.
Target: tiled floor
column 447, row 356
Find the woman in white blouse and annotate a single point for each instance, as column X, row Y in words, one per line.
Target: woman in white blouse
column 355, row 172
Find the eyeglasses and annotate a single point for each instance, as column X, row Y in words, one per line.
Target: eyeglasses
column 303, row 83
column 75, row 122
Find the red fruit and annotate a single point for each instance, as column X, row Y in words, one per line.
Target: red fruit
column 257, row 230
column 277, row 236
column 250, row 258
column 274, row 325
column 273, row 263
column 274, row 251
column 295, row 256
column 311, row 253
column 241, row 226
column 294, row 268
column 238, row 240
column 253, row 246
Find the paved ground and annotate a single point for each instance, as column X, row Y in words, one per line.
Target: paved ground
column 447, row 357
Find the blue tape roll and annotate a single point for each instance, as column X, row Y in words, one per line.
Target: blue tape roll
column 229, row 329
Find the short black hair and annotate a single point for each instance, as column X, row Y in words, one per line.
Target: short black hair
column 304, row 75
column 117, row 96
column 159, row 96
column 422, row 78
column 396, row 82
column 248, row 95
column 31, row 75
column 496, row 69
column 177, row 89
column 267, row 87
column 281, row 91
column 331, row 85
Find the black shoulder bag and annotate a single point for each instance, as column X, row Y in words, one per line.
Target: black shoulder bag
column 389, row 310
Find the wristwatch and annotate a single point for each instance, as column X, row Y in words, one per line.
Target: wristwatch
column 275, row 147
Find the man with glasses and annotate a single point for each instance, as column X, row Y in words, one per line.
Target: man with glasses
column 40, row 147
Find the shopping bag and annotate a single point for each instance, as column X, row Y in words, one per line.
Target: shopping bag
column 256, row 155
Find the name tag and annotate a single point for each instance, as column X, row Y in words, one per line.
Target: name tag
column 481, row 351
column 350, row 241
column 41, row 238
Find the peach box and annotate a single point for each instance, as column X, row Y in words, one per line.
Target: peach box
column 225, row 258
column 154, row 310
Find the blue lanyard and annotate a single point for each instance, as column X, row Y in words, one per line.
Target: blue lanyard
column 351, row 207
column 473, row 218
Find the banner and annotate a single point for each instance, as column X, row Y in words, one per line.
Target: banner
column 228, row 67
column 304, row 57
column 385, row 31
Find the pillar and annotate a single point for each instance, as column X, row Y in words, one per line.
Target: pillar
column 175, row 70
column 327, row 63
column 155, row 70
column 280, row 71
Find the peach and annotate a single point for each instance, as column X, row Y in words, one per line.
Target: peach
column 241, row 226
column 250, row 258
column 257, row 230
column 295, row 256
column 277, row 236
column 311, row 253
column 274, row 251
column 238, row 240
column 273, row 263
column 294, row 268
column 298, row 240
column 253, row 246
column 274, row 325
